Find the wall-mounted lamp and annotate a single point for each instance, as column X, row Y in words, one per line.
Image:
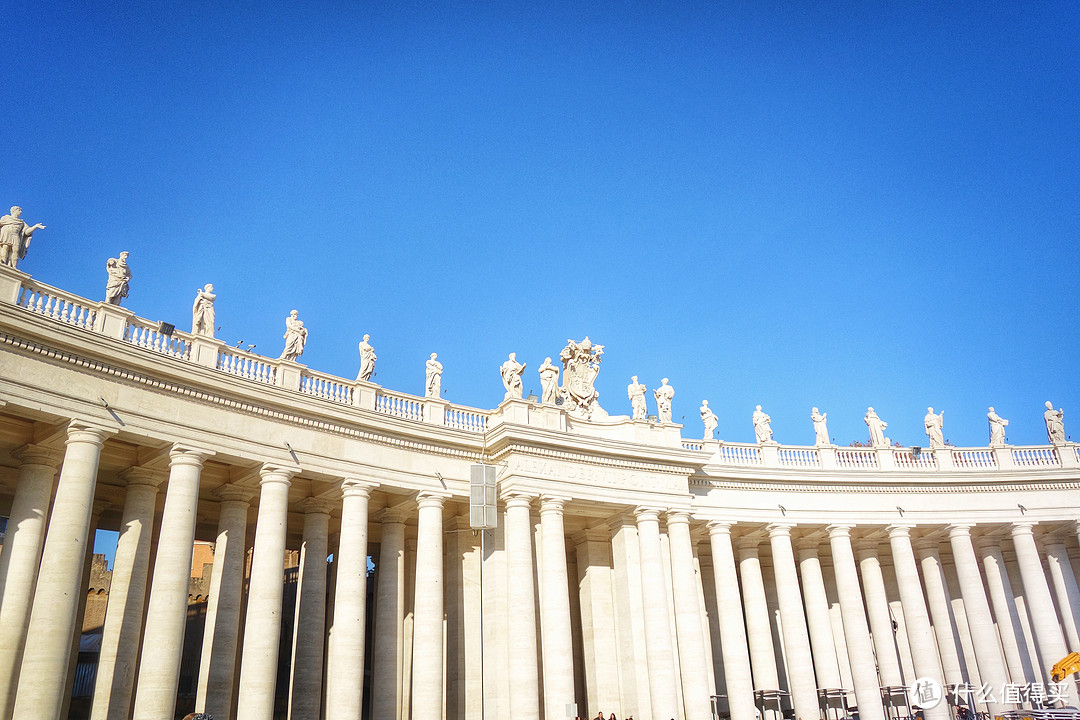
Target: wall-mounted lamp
column 1023, row 510
column 900, row 510
column 783, row 510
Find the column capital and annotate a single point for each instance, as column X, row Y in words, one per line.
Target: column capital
column 354, row 487
column 588, row 535
column 233, row 493
column 99, row 507
column 1023, row 527
column 270, row 473
column 82, row 431
column 393, row 514
column 924, row 546
column 720, row 527
column 647, row 513
column 431, row 499
column 552, row 504
column 900, row 530
column 780, row 529
column 31, row 454
column 517, row 499
column 959, row 530
column 316, row 506
column 748, row 542
column 186, row 455
column 138, row 475
column 838, row 531
column 808, row 547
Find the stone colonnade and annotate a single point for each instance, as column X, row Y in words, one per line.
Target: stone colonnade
column 647, row 611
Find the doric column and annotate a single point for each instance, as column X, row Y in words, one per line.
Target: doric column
column 521, row 609
column 217, row 670
column 427, row 682
column 1063, row 582
column 19, row 558
column 558, row 648
column 856, row 633
column 658, row 648
column 689, row 632
column 389, row 616
column 309, row 628
column 800, row 661
column 262, row 623
column 1044, row 620
column 740, row 688
column 937, row 597
column 980, row 623
column 877, row 611
column 595, row 573
column 816, row 601
column 1004, row 605
column 127, row 598
column 166, row 613
column 916, row 619
column 345, row 664
column 44, row 669
column 758, row 627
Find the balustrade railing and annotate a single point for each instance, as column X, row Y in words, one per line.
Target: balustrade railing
column 146, row 334
column 906, row 459
column 857, row 459
column 693, row 444
column 41, row 299
column 246, row 365
column 325, row 386
column 974, row 459
column 1035, row 457
column 799, row 457
column 399, row 405
column 464, row 419
column 740, row 455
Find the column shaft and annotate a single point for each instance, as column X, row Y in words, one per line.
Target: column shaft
column 816, row 600
column 521, row 610
column 877, row 611
column 689, row 632
column 558, row 648
column 262, row 624
column 166, row 613
column 856, row 632
column 345, row 684
column 1065, row 590
column 1004, row 605
column 19, row 559
column 44, row 669
column 800, row 661
column 740, row 687
column 937, row 596
column 221, row 636
column 658, row 648
column 758, row 626
column 389, row 616
column 427, row 685
column 309, row 628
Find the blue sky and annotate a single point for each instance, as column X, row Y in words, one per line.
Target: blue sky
column 775, row 203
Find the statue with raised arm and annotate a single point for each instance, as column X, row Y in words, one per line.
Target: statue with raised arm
column 295, row 337
column 433, row 378
column 15, row 236
column 934, row 424
column 1055, row 424
column 549, row 382
column 877, row 429
column 511, row 372
column 997, row 428
column 202, row 312
column 821, row 433
column 636, row 392
column 709, row 418
column 116, row 289
column 664, row 395
column 367, row 359
column 762, row 425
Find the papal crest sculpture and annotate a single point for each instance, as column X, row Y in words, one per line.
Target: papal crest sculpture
column 581, row 365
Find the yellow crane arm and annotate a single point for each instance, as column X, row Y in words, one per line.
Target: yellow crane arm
column 1065, row 667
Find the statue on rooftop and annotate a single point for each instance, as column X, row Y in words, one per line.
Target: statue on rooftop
column 709, row 418
column 15, row 236
column 636, row 392
column 116, row 289
column 367, row 359
column 997, row 428
column 295, row 337
column 762, row 425
column 549, row 382
column 433, row 379
column 933, row 424
column 581, row 365
column 877, row 429
column 202, row 312
column 821, row 433
column 1055, row 424
column 664, row 395
column 511, row 372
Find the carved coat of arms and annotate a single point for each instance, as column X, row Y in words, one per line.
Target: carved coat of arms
column 581, row 365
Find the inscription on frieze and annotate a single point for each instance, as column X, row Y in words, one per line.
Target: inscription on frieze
column 596, row 475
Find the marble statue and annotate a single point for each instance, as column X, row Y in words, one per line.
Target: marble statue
column 997, row 428
column 1055, row 424
column 933, row 424
column 636, row 392
column 202, row 312
column 709, row 418
column 821, row 433
column 877, row 428
column 295, row 337
column 664, row 395
column 15, row 236
column 511, row 372
column 116, row 289
column 581, row 365
column 367, row 359
column 762, row 425
column 549, row 382
column 433, row 379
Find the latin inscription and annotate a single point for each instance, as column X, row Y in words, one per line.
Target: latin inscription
column 593, row 475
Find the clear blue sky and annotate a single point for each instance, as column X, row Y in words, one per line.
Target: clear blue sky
column 791, row 204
